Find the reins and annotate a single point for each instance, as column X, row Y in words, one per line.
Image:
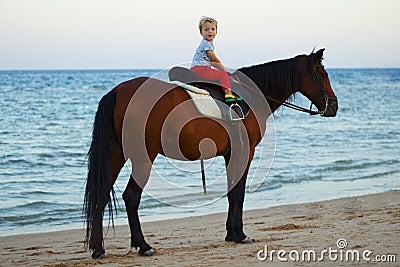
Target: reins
column 285, row 103
column 294, row 107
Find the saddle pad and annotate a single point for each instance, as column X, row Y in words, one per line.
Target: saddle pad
column 186, row 76
column 202, row 100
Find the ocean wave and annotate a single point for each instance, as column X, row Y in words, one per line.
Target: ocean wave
column 34, row 205
column 346, row 165
column 39, row 219
column 36, row 193
column 363, row 177
column 39, row 212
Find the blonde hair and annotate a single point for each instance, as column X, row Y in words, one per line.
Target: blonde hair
column 206, row 19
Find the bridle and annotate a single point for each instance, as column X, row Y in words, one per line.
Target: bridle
column 327, row 98
column 320, row 85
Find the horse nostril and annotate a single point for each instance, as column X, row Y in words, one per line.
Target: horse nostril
column 334, row 105
column 334, row 108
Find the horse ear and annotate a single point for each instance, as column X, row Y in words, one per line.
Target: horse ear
column 318, row 56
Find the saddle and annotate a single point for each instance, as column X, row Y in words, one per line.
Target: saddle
column 186, row 76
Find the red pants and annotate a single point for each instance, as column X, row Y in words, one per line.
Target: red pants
column 208, row 73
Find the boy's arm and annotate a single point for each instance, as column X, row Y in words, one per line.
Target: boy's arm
column 215, row 61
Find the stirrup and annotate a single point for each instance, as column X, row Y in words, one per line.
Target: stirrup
column 237, row 110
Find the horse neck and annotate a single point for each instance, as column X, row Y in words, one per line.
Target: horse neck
column 277, row 80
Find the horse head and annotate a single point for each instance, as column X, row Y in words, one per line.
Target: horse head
column 315, row 85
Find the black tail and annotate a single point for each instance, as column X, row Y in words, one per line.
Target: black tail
column 99, row 187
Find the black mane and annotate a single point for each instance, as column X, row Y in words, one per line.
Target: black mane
column 275, row 79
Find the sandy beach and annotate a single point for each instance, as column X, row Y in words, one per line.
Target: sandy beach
column 336, row 230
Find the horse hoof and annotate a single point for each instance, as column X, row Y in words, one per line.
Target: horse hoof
column 99, row 254
column 247, row 240
column 148, row 253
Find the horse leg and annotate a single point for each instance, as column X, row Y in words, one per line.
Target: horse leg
column 234, row 223
column 96, row 243
column 96, row 235
column 231, row 210
column 131, row 196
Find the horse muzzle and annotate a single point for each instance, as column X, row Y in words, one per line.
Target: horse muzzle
column 331, row 107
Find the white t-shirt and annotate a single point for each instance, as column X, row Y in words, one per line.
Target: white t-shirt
column 201, row 58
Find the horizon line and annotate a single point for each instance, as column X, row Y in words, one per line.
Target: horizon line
column 148, row 69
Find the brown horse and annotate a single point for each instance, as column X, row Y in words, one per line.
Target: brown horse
column 144, row 117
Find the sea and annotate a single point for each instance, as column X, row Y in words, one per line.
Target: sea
column 46, row 125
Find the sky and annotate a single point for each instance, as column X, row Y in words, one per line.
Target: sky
column 155, row 34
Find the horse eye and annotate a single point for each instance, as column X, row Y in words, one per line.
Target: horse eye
column 323, row 73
